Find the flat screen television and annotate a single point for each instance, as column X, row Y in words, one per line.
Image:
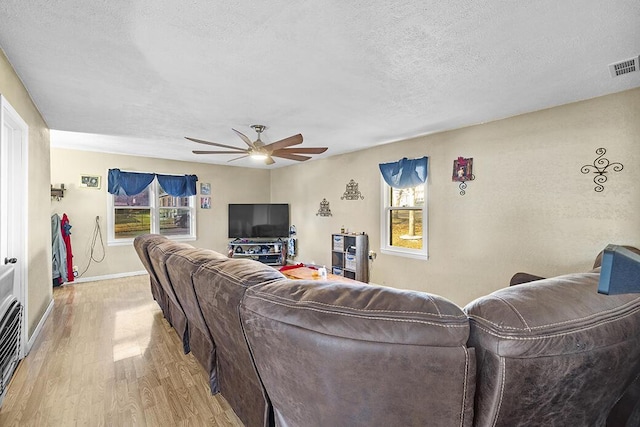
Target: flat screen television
column 258, row 220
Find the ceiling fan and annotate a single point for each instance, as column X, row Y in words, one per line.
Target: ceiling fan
column 257, row 149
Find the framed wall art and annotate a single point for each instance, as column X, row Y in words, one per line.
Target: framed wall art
column 463, row 172
column 90, row 181
column 462, row 169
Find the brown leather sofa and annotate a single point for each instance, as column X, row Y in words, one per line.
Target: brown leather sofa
column 159, row 252
column 141, row 245
column 305, row 353
column 199, row 293
column 181, row 265
column 626, row 412
column 219, row 287
column 341, row 354
column 553, row 352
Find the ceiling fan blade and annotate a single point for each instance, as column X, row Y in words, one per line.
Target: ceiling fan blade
column 199, row 141
column 302, row 150
column 290, row 156
column 287, row 142
column 269, row 160
column 238, row 158
column 217, row 152
column 244, row 137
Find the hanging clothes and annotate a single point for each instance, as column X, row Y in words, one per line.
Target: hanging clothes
column 66, row 237
column 58, row 252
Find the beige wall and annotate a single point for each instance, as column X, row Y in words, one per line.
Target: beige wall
column 39, row 229
column 82, row 205
column 529, row 209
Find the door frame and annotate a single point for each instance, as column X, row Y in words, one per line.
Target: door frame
column 20, row 182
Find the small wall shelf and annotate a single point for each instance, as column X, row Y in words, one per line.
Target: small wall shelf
column 57, row 193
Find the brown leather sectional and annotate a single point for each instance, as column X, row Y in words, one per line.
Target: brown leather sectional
column 311, row 353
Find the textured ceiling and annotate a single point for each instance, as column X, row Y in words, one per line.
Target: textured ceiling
column 136, row 76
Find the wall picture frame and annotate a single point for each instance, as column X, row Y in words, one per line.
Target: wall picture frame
column 462, row 170
column 90, row 181
column 205, row 188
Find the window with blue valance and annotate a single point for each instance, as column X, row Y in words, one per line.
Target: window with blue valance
column 405, row 173
column 131, row 183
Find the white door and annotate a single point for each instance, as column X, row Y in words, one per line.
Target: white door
column 13, row 211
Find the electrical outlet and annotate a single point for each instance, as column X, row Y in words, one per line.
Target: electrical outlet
column 372, row 255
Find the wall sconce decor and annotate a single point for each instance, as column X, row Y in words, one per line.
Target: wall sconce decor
column 463, row 172
column 352, row 192
column 324, row 209
column 599, row 167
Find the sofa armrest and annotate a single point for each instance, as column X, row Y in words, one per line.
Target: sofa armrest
column 520, row 278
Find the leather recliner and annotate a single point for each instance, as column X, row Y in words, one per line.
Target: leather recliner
column 142, row 244
column 219, row 287
column 338, row 354
column 553, row 352
column 181, row 266
column 175, row 314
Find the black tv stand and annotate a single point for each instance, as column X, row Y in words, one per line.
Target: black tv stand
column 267, row 251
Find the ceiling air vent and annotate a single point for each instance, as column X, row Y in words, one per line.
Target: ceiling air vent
column 624, row 67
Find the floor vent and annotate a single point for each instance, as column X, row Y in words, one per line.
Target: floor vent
column 624, row 67
column 10, row 326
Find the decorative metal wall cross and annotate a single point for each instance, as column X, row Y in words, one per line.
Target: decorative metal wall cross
column 324, row 209
column 599, row 167
column 352, row 192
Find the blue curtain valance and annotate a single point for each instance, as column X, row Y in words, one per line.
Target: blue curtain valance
column 130, row 183
column 178, row 186
column 405, row 173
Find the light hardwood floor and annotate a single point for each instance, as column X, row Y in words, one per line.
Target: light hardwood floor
column 107, row 357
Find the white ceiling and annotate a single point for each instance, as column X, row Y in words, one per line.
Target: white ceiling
column 136, row 76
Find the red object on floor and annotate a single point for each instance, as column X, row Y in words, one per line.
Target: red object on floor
column 291, row 267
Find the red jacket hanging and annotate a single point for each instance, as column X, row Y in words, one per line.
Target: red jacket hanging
column 65, row 228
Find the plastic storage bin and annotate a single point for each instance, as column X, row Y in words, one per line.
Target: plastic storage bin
column 338, row 243
column 350, row 262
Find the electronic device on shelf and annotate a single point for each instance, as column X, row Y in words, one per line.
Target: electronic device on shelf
column 267, row 251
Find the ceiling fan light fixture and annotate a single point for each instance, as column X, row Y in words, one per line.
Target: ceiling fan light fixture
column 257, row 155
column 258, row 150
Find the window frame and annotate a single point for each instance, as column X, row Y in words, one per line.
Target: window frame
column 385, row 237
column 154, row 207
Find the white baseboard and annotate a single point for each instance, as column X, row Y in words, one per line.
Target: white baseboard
column 107, row 277
column 38, row 328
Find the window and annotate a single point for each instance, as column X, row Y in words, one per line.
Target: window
column 150, row 211
column 404, row 221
